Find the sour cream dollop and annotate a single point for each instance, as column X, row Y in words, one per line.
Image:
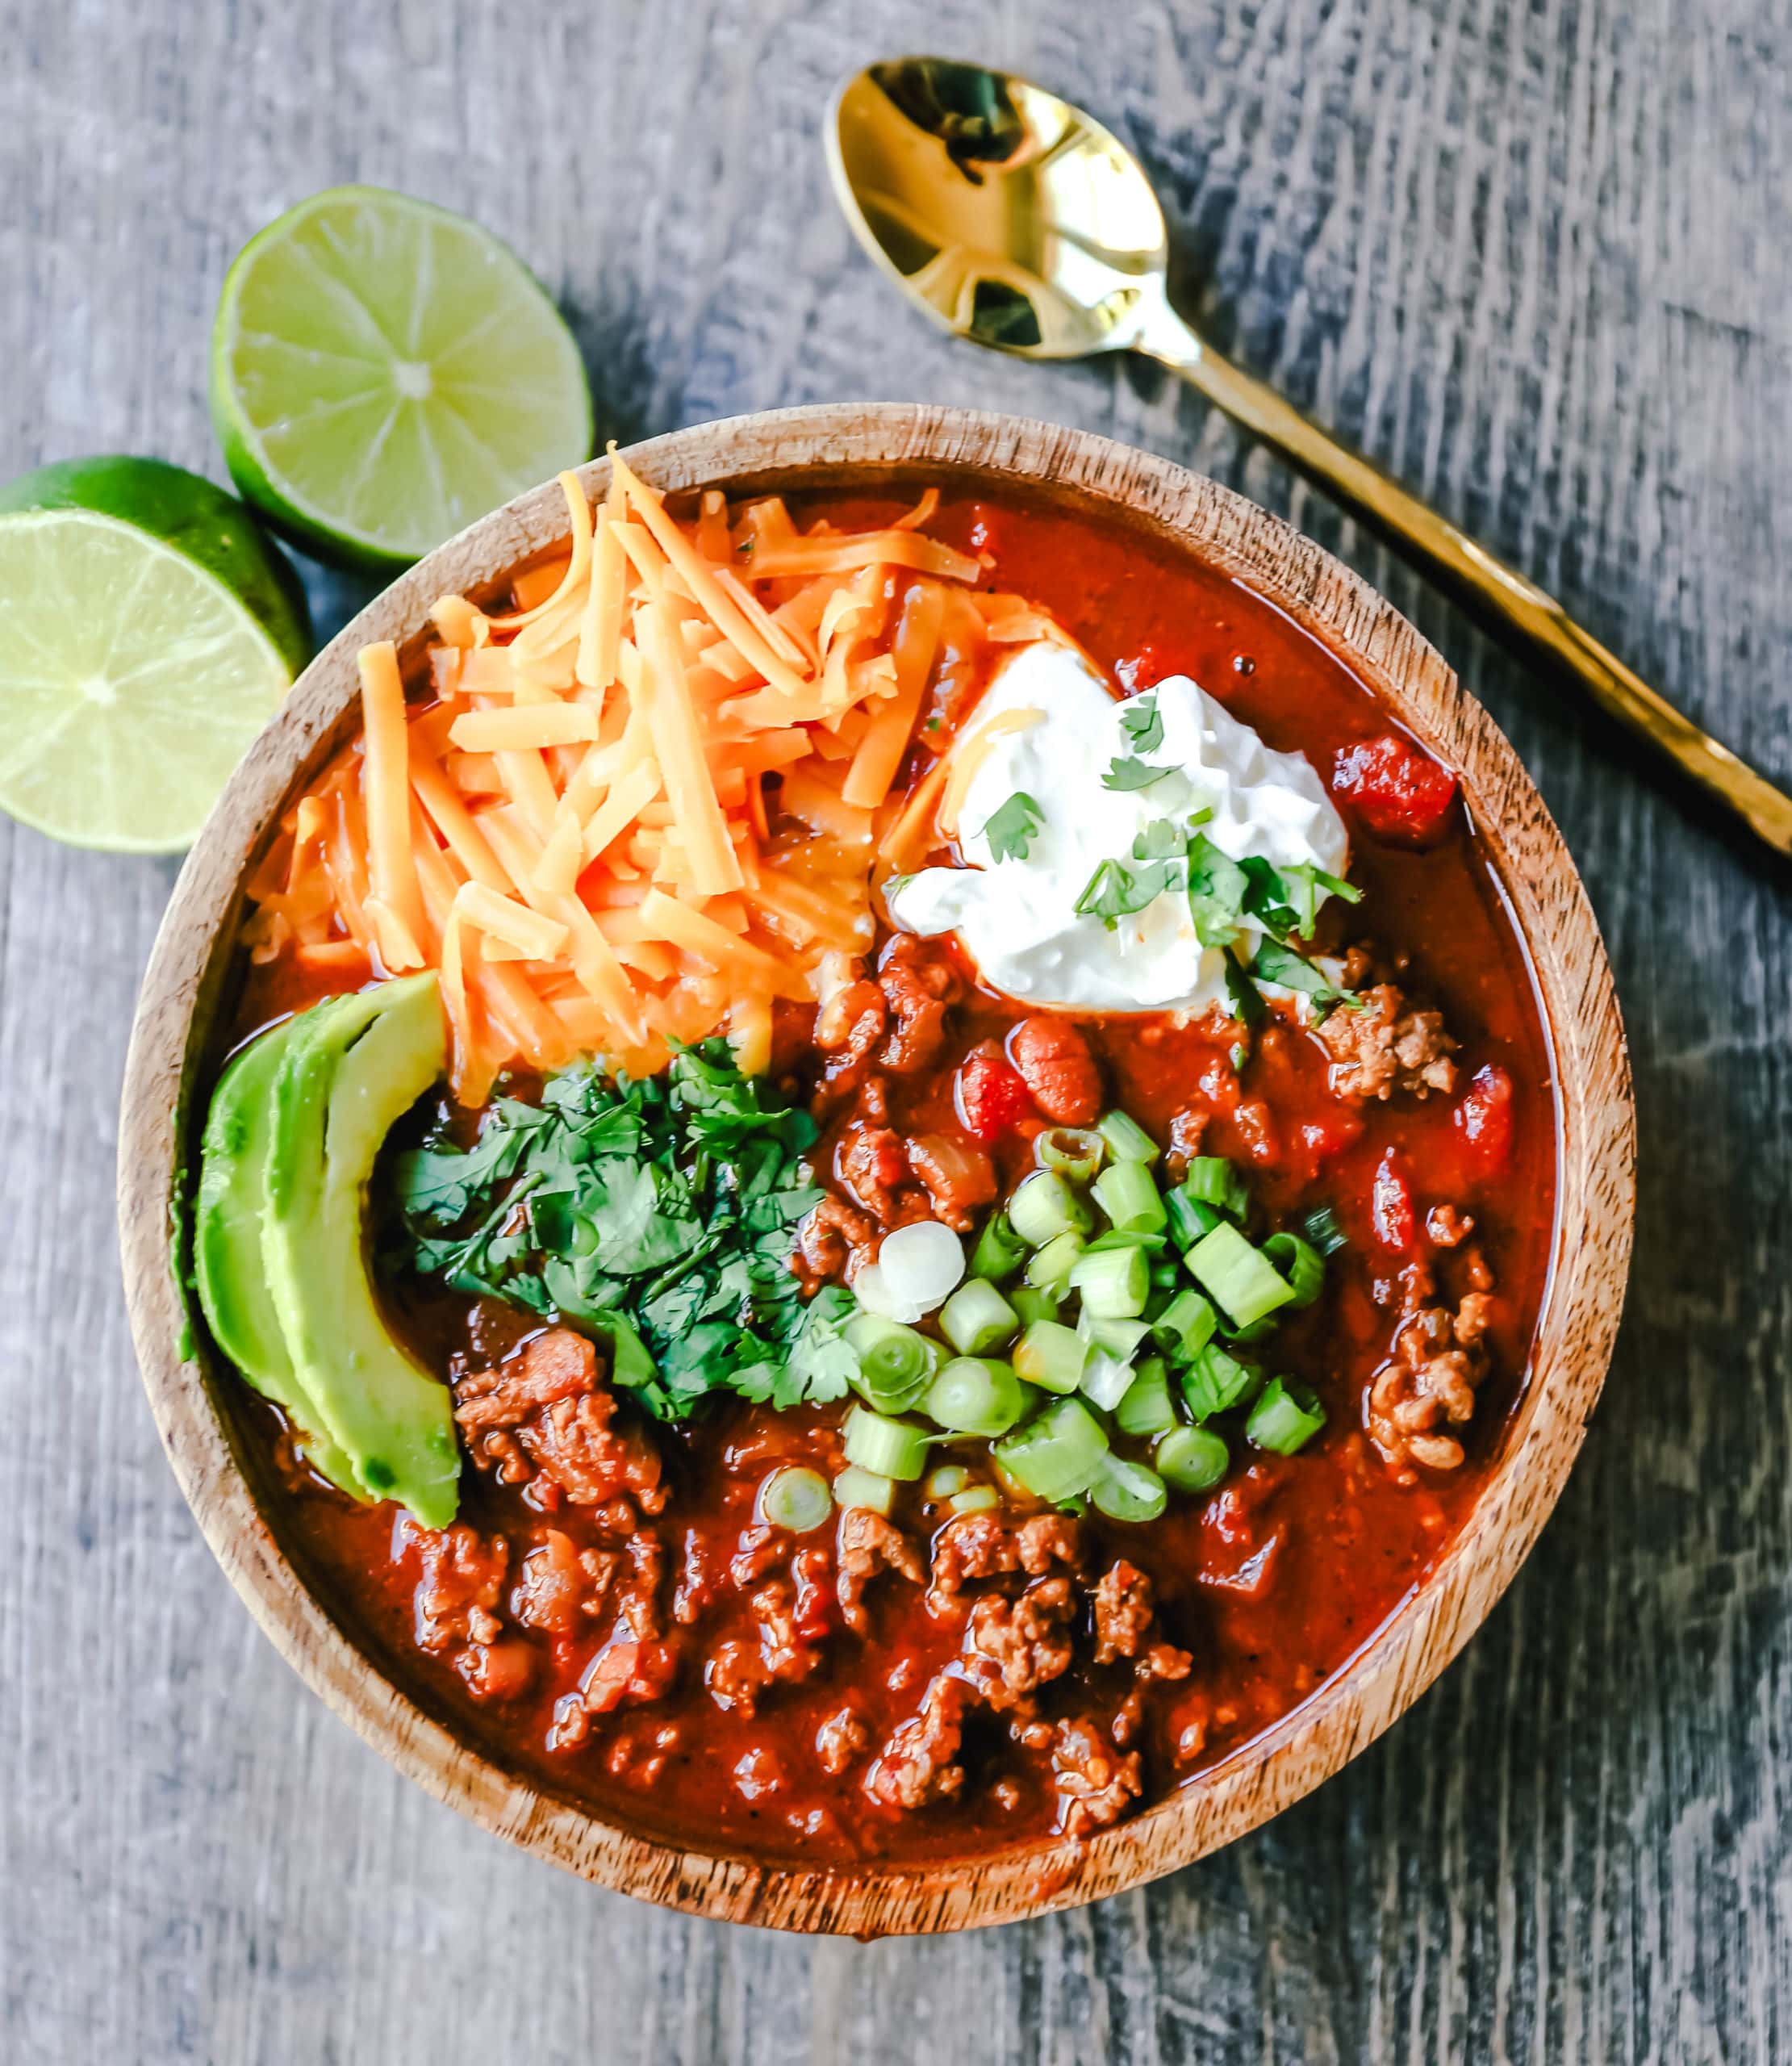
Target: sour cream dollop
column 1017, row 918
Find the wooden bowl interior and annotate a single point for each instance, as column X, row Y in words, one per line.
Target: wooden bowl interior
column 174, row 1054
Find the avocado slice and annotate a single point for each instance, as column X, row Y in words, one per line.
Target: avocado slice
column 360, row 1063
column 227, row 1246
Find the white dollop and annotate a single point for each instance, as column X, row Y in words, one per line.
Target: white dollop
column 1017, row 918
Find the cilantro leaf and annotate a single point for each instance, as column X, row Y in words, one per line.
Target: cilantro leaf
column 1115, row 889
column 1010, row 829
column 1142, row 722
column 1217, row 890
column 1248, row 1007
column 1282, row 966
column 1128, row 773
column 658, row 1216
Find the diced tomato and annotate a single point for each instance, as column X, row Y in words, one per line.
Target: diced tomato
column 1391, row 1204
column 992, row 1097
column 1484, row 1117
column 1397, row 791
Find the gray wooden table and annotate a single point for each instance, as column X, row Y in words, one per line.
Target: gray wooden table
column 1535, row 258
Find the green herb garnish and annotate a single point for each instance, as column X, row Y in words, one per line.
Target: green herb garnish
column 1142, row 722
column 1010, row 830
column 660, row 1215
column 1128, row 773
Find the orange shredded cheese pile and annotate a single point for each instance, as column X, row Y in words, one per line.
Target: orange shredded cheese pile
column 648, row 803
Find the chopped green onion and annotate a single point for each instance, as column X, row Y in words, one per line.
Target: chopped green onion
column 1213, row 1180
column 893, row 1449
column 1190, row 1218
column 977, row 1318
column 1300, row 1263
column 1058, row 1455
column 1186, row 1325
column 1051, row 1355
column 975, row 1396
column 894, row 1362
column 1043, row 1207
column 1226, row 1264
column 1165, row 1275
column 998, row 1253
column 1048, row 1268
column 794, row 1497
column 1153, row 1244
column 1286, row 1416
column 1147, row 1407
column 975, row 1499
column 1106, row 1379
column 1125, row 1191
column 869, row 1489
column 1129, row 1492
column 1119, row 1337
column 1321, row 1228
column 1191, row 1459
column 1244, row 1338
column 949, row 1478
column 1127, row 1140
column 1215, row 1382
column 1114, row 1284
column 1074, row 1152
column 1032, row 1304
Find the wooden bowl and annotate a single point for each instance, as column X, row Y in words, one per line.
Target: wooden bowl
column 241, row 1513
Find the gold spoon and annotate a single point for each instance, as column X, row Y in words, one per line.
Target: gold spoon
column 1015, row 219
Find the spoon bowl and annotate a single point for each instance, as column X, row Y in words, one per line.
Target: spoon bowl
column 1011, row 217
column 1008, row 215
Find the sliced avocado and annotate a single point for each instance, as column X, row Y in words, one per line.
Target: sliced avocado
column 359, row 1065
column 227, row 1246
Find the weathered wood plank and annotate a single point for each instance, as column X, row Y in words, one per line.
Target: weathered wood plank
column 1537, row 259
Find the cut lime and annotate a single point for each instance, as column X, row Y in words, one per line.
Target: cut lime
column 147, row 631
column 383, row 372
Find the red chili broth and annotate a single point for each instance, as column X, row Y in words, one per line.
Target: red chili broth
column 1274, row 1581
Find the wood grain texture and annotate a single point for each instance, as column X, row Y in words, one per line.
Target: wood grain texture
column 1535, row 259
column 174, row 1042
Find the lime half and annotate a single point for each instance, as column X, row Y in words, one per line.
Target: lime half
column 383, row 372
column 148, row 632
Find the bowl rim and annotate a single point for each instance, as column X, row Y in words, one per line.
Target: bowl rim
column 1576, row 1327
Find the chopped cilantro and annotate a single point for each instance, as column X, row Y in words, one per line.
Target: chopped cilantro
column 1142, row 722
column 658, row 1215
column 1128, row 773
column 1248, row 1007
column 1114, row 889
column 1282, row 966
column 1010, row 829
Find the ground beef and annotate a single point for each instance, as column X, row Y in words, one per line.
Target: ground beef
column 915, row 1766
column 958, row 1178
column 834, row 1240
column 561, row 1587
column 1186, row 1131
column 1446, row 1228
column 544, row 1413
column 1124, row 1609
column 920, row 989
column 1014, row 1646
column 1058, row 1069
column 1440, row 1359
column 850, row 1025
column 982, row 1545
column 457, row 1597
column 622, row 1671
column 839, row 1740
column 1378, row 1047
column 873, row 1164
column 1095, row 1784
column 866, row 1544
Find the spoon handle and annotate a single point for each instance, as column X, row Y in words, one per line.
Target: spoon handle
column 1532, row 620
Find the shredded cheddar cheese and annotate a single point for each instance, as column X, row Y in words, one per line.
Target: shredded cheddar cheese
column 645, row 803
